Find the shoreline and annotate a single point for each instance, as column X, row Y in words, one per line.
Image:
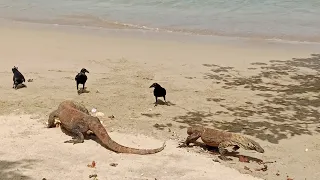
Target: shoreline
column 161, row 34
column 241, row 87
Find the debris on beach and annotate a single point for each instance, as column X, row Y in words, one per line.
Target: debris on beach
column 35, row 116
column 56, row 123
column 92, row 165
column 30, row 80
column 111, row 117
column 246, row 168
column 94, row 112
column 94, row 176
column 113, row 164
column 215, row 160
column 243, row 159
column 99, row 114
column 265, row 168
column 289, row 178
column 267, row 162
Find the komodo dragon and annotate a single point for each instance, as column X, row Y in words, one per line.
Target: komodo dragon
column 220, row 139
column 76, row 119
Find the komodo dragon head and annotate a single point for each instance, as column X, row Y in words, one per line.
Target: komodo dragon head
column 252, row 145
column 193, row 129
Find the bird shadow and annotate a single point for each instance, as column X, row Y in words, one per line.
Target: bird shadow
column 151, row 115
column 162, row 103
column 81, row 91
column 20, row 86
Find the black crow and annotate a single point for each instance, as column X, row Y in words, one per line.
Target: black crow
column 18, row 78
column 158, row 91
column 81, row 78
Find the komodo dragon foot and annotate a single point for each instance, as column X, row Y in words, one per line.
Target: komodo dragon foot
column 77, row 138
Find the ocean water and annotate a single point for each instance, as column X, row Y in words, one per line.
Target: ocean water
column 292, row 20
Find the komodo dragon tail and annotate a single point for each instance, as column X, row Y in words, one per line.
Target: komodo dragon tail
column 103, row 135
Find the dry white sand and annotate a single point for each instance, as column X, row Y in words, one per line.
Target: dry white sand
column 121, row 71
column 30, row 151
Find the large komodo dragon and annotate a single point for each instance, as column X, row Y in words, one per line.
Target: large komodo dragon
column 220, row 139
column 75, row 119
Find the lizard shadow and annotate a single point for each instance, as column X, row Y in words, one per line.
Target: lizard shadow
column 20, row 86
column 215, row 151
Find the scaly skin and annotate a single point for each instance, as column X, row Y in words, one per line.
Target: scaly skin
column 74, row 119
column 221, row 139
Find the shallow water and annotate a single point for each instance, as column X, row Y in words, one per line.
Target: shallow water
column 268, row 19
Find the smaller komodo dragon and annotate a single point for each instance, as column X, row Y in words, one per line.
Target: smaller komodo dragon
column 220, row 139
column 75, row 118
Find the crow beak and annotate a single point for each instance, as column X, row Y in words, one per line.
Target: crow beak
column 151, row 86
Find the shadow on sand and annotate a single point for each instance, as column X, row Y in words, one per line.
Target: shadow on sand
column 8, row 169
column 286, row 97
column 81, row 91
column 162, row 103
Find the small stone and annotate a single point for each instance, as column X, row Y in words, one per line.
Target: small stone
column 35, row 116
column 215, row 160
column 99, row 114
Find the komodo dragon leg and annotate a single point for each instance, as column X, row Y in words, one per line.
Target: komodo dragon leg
column 191, row 139
column 77, row 135
column 222, row 149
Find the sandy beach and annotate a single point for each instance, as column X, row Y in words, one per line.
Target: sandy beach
column 268, row 92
